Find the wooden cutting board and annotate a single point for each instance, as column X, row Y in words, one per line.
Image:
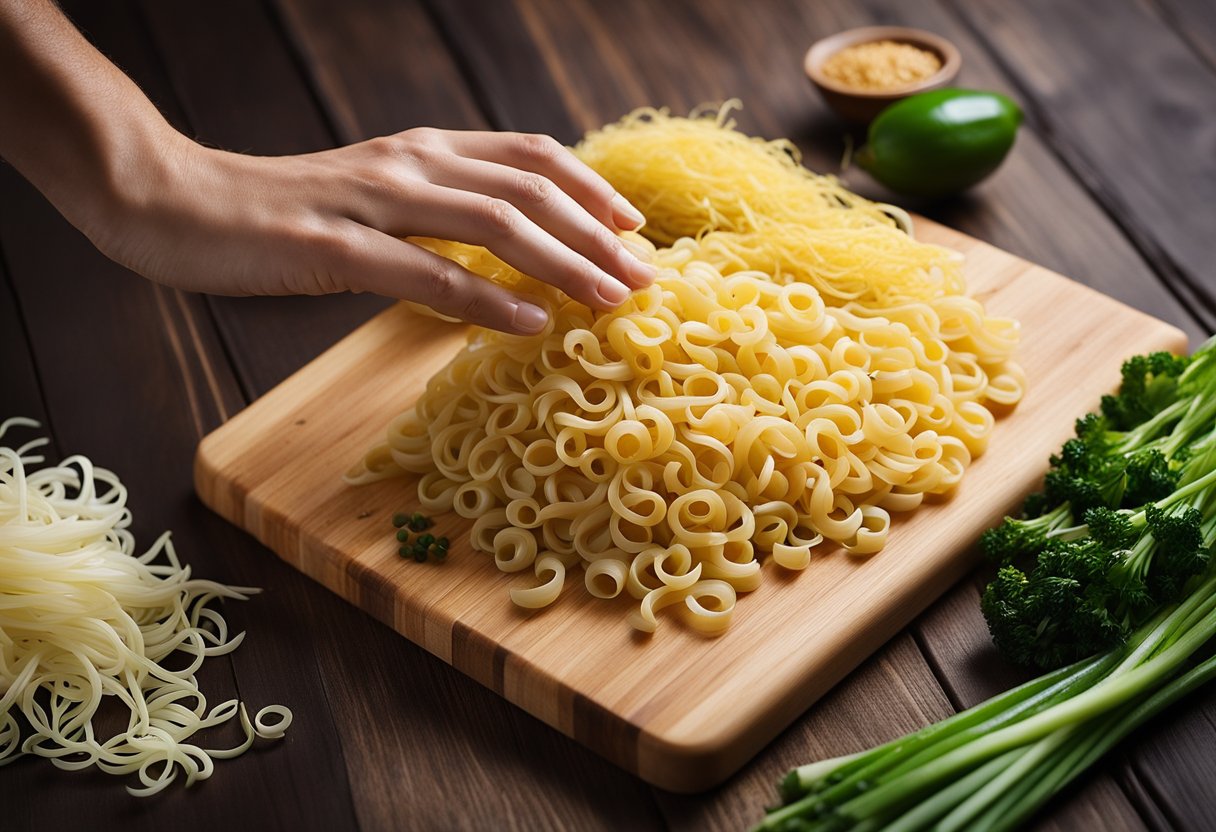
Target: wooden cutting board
column 681, row 710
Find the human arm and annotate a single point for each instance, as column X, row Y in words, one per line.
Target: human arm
column 209, row 220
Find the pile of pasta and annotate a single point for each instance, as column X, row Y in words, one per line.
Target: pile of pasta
column 83, row 619
column 800, row 369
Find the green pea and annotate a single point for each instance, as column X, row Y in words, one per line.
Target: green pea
column 940, row 142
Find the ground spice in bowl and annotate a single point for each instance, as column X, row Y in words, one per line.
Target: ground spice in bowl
column 881, row 65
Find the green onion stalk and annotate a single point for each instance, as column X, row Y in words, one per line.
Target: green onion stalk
column 992, row 766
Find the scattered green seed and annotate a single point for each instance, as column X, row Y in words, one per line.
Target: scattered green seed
column 426, row 539
column 400, row 520
column 403, row 535
column 404, row 551
column 420, row 555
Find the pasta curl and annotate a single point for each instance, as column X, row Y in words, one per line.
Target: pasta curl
column 800, row 369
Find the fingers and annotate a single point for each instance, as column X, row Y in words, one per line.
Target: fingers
column 506, row 231
column 375, row 262
column 545, row 155
column 555, row 211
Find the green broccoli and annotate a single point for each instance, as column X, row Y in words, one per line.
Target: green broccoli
column 1115, row 533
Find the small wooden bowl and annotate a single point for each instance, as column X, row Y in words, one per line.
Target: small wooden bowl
column 860, row 106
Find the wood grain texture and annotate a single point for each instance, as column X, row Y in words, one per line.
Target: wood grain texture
column 954, row 638
column 849, row 718
column 358, row 71
column 241, row 88
column 379, row 67
column 532, row 69
column 1194, row 22
column 18, row 372
column 70, row 295
column 426, row 749
column 681, row 711
column 1107, row 115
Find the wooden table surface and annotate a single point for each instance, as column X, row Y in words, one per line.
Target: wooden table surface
column 1112, row 182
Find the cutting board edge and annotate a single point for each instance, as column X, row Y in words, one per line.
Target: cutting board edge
column 661, row 758
column 692, row 767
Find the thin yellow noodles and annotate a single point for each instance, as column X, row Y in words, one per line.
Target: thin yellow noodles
column 757, row 208
column 801, row 368
column 83, row 618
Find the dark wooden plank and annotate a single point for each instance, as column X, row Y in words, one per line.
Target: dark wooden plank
column 410, row 725
column 431, row 749
column 1172, row 758
column 1135, row 131
column 18, row 369
column 1192, row 20
column 22, row 397
column 850, row 718
column 252, row 99
column 134, row 374
column 683, row 54
column 379, row 67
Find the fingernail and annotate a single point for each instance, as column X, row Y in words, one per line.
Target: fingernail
column 612, row 291
column 626, row 217
column 642, row 274
column 638, row 249
column 529, row 318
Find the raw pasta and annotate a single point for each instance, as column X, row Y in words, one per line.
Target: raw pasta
column 800, row 369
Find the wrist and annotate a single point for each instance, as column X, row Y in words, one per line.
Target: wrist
column 137, row 167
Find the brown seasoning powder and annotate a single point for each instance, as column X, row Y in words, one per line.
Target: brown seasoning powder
column 881, row 65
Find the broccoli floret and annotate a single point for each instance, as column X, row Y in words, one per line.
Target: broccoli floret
column 1035, row 505
column 1113, row 535
column 1112, row 529
column 1057, row 613
column 1012, row 540
column 1180, row 551
column 1083, row 594
column 1016, row 540
column 1150, row 383
column 1084, row 492
column 1149, row 478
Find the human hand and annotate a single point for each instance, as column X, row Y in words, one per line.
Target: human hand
column 212, row 221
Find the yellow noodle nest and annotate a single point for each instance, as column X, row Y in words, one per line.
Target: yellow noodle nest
column 779, row 385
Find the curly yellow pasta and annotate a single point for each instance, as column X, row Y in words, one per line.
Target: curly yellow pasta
column 800, row 369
